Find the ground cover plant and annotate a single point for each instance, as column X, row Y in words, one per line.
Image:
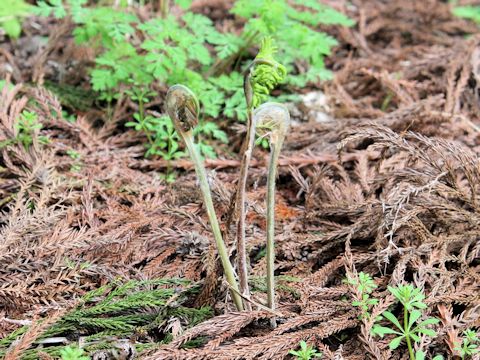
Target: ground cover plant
column 133, row 55
column 306, row 352
column 107, row 240
column 412, row 300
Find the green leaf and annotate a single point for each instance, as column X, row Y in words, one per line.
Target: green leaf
column 328, row 15
column 415, row 337
column 12, row 27
column 11, row 14
column 471, row 335
column 73, row 353
column 43, row 9
column 207, row 150
column 3, row 83
column 414, row 316
column 184, row 4
column 395, row 343
column 382, row 331
column 468, row 12
column 46, row 8
column 419, row 355
column 225, row 44
column 392, row 319
column 419, row 305
column 103, row 79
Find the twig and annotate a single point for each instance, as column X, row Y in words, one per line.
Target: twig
column 260, row 306
column 16, row 322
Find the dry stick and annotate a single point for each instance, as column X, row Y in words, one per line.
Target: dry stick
column 260, row 306
column 182, row 107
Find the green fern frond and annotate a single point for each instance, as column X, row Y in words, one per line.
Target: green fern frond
column 266, row 76
column 267, row 49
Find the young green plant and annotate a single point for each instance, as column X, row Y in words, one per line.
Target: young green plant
column 183, row 108
column 262, row 75
column 73, row 353
column 306, row 352
column 412, row 300
column 272, row 120
column 469, row 345
column 26, row 131
column 363, row 286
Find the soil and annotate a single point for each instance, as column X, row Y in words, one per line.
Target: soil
column 380, row 174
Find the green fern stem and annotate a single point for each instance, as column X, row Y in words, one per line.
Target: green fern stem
column 163, row 6
column 272, row 120
column 252, row 99
column 222, row 249
column 272, row 173
column 242, row 184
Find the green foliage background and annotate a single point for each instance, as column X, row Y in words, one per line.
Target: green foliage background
column 133, row 55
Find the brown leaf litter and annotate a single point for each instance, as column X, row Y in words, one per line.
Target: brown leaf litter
column 391, row 187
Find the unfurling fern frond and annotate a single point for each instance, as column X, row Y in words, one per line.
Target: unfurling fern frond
column 267, row 74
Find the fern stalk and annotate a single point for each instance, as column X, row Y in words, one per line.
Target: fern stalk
column 212, row 216
column 182, row 107
column 271, row 73
column 241, row 187
column 163, row 6
column 240, row 201
column 270, row 253
column 273, row 120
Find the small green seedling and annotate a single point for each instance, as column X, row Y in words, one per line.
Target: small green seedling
column 412, row 300
column 469, row 346
column 364, row 286
column 73, row 353
column 272, row 120
column 183, row 108
column 159, row 131
column 306, row 352
column 26, row 130
column 74, row 155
